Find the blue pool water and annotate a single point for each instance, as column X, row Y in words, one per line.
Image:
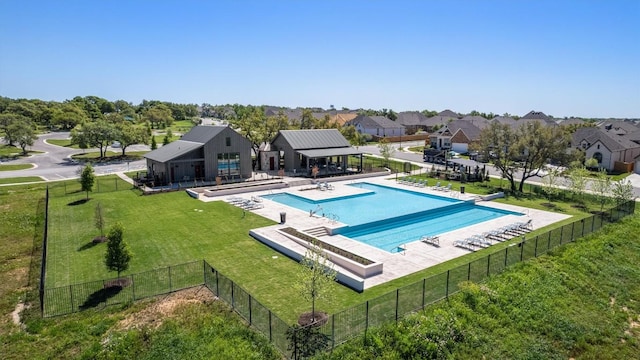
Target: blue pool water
column 387, row 217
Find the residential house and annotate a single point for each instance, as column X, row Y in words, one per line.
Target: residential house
column 378, row 126
column 437, row 121
column 613, row 151
column 411, row 120
column 204, row 153
column 299, row 151
column 456, row 135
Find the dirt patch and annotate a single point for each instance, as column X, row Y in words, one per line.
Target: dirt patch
column 153, row 315
column 306, row 319
column 99, row 239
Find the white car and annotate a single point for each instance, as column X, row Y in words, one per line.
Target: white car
column 115, row 144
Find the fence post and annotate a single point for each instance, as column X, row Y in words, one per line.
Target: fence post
column 488, row 263
column 366, row 321
column 333, row 331
column 170, row 285
column 447, row 289
column 250, row 322
column 424, row 285
column 593, row 222
column 217, row 284
column 71, row 293
column 469, row 272
column 535, row 251
column 561, row 233
column 573, row 225
column 582, row 221
column 549, row 241
column 116, row 181
column 133, row 288
column 397, row 302
column 506, row 254
column 233, row 304
column 522, row 248
column 270, row 331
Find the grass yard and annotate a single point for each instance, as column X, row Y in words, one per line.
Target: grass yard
column 21, row 179
column 14, row 167
column 109, row 156
column 63, row 143
column 169, row 229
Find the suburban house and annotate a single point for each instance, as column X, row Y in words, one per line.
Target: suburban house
column 537, row 116
column 378, row 126
column 614, row 151
column 300, row 151
column 437, row 121
column 204, row 153
column 411, row 120
column 456, row 135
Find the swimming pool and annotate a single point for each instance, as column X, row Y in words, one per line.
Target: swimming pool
column 387, row 217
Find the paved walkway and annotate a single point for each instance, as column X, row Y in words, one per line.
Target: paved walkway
column 416, row 257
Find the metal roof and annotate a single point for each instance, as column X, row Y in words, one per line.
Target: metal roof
column 202, row 134
column 330, row 152
column 314, row 139
column 173, row 150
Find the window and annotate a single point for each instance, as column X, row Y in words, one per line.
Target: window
column 228, row 141
column 228, row 164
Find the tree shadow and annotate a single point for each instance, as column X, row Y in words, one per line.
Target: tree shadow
column 78, row 202
column 87, row 246
column 101, row 296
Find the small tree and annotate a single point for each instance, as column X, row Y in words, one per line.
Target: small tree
column 591, row 163
column 154, row 144
column 550, row 182
column 166, row 140
column 315, row 277
column 87, row 178
column 602, row 187
column 118, row 255
column 578, row 181
column 99, row 220
column 622, row 191
column 386, row 150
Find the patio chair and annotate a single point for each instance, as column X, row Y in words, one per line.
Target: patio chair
column 447, row 188
column 431, row 240
column 436, row 186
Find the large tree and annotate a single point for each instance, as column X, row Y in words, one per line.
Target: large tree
column 128, row 134
column 24, row 134
column 522, row 152
column 68, row 115
column 118, row 255
column 159, row 116
column 97, row 134
column 10, row 123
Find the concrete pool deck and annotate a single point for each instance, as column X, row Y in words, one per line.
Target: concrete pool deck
column 416, row 256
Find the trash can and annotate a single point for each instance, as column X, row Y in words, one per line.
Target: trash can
column 461, row 189
column 283, row 217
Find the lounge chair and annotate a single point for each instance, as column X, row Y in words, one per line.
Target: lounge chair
column 464, row 244
column 447, row 188
column 431, row 240
column 436, row 186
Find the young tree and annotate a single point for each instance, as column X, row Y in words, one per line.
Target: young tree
column 315, row 277
column 386, row 150
column 550, row 182
column 591, row 163
column 578, row 180
column 118, row 255
column 166, row 140
column 154, row 144
column 87, row 178
column 622, row 191
column 99, row 220
column 602, row 187
column 24, row 134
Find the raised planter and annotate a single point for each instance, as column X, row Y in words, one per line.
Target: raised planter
column 354, row 263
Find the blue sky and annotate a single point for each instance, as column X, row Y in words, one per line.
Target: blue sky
column 565, row 58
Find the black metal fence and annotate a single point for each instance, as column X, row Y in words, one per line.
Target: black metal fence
column 72, row 298
column 396, row 304
column 101, row 185
column 298, row 342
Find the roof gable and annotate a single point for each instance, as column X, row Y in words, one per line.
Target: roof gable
column 448, row 113
column 410, row 118
column 172, row 150
column 375, row 122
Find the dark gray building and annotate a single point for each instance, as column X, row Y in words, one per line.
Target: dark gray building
column 300, row 150
column 204, row 153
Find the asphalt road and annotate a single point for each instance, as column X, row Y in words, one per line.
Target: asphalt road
column 55, row 162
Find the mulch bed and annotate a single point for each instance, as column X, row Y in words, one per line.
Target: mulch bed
column 121, row 283
column 305, row 319
column 100, row 239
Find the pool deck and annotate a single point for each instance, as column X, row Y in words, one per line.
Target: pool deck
column 416, row 256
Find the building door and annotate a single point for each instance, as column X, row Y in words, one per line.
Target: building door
column 198, row 171
column 171, row 179
column 272, row 163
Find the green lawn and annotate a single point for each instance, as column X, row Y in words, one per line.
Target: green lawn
column 18, row 180
column 13, row 167
column 110, row 155
column 186, row 230
column 63, row 143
